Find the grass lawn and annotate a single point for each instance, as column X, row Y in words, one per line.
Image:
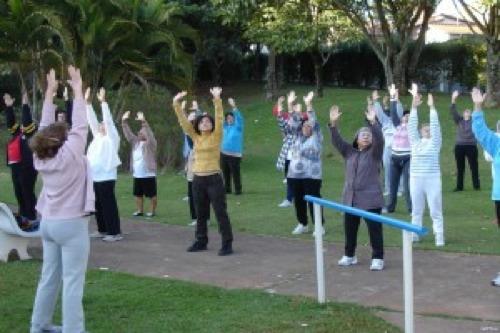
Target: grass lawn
column 122, row 303
column 467, row 215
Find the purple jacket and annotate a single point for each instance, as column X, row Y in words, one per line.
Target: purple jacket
column 362, row 188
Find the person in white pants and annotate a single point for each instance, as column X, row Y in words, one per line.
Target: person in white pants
column 425, row 172
column 65, row 203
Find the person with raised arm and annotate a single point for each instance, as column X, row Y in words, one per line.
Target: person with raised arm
column 465, row 146
column 305, row 170
column 425, row 170
column 232, row 148
column 142, row 163
column 401, row 151
column 491, row 144
column 362, row 188
column 65, row 203
column 208, row 186
column 104, row 160
column 20, row 161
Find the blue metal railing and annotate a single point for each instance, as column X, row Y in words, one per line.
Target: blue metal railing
column 372, row 216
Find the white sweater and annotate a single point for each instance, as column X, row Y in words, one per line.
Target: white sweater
column 424, row 152
column 102, row 152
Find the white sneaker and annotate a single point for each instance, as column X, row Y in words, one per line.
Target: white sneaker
column 97, row 234
column 300, row 229
column 150, row 214
column 192, row 223
column 496, row 281
column 284, row 181
column 322, row 232
column 377, row 265
column 185, row 199
column 384, row 210
column 439, row 236
column 347, row 261
column 113, row 238
column 285, row 204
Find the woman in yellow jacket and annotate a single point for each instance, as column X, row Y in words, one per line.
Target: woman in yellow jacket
column 208, row 186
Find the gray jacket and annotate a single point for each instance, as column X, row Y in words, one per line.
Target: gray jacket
column 362, row 188
column 149, row 149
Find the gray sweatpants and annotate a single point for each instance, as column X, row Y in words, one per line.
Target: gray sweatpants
column 66, row 248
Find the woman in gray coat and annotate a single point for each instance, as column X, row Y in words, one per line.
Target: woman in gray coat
column 362, row 188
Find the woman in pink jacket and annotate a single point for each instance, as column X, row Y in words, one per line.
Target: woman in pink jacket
column 65, row 203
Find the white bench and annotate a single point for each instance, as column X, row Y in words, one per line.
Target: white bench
column 12, row 237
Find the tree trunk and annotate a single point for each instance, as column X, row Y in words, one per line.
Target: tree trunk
column 318, row 75
column 256, row 65
column 271, row 79
column 493, row 74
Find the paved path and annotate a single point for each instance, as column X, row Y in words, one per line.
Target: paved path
column 446, row 284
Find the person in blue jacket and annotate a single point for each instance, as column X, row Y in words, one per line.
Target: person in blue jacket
column 232, row 148
column 491, row 144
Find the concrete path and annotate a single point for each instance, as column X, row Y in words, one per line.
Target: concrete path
column 446, row 284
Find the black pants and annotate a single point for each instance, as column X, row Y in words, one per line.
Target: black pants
column 469, row 152
column 400, row 165
column 351, row 226
column 289, row 191
column 192, row 209
column 497, row 211
column 231, row 168
column 24, row 180
column 106, row 208
column 206, row 190
column 300, row 188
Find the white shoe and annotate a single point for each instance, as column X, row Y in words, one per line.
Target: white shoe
column 384, row 210
column 347, row 261
column 439, row 236
column 322, row 232
column 192, row 223
column 377, row 265
column 112, row 238
column 496, row 281
column 185, row 199
column 285, row 204
column 284, row 181
column 150, row 214
column 97, row 234
column 300, row 229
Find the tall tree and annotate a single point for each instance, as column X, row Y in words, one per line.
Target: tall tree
column 390, row 27
column 485, row 17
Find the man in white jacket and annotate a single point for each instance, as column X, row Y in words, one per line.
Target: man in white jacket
column 104, row 160
column 425, row 171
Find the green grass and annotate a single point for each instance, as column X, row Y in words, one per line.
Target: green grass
column 467, row 215
column 116, row 302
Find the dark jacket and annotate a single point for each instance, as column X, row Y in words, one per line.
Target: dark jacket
column 27, row 129
column 464, row 137
column 362, row 188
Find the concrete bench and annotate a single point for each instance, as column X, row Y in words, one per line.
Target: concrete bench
column 12, row 237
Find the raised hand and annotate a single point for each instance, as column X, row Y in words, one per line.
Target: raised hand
column 370, row 114
column 194, row 106
column 291, row 97
column 308, row 98
column 126, row 115
column 375, row 95
column 216, row 91
column 65, row 93
column 393, row 92
column 477, row 97
column 231, row 102
column 87, row 95
column 183, row 105
column 25, row 99
column 430, row 100
column 334, row 114
column 140, row 117
column 75, row 81
column 52, row 83
column 179, row 96
column 413, row 90
column 279, row 104
column 454, row 96
column 8, row 100
column 101, row 95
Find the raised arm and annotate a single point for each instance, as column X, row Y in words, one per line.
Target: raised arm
column 383, row 119
column 377, row 147
column 435, row 127
column 453, row 108
column 486, row 137
column 338, row 142
column 10, row 118
column 413, row 134
column 393, row 105
column 48, row 108
column 77, row 136
column 186, row 125
column 129, row 136
column 29, row 126
column 150, row 137
column 219, row 112
column 239, row 121
column 107, row 118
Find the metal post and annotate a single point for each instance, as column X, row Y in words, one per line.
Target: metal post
column 408, row 280
column 320, row 268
